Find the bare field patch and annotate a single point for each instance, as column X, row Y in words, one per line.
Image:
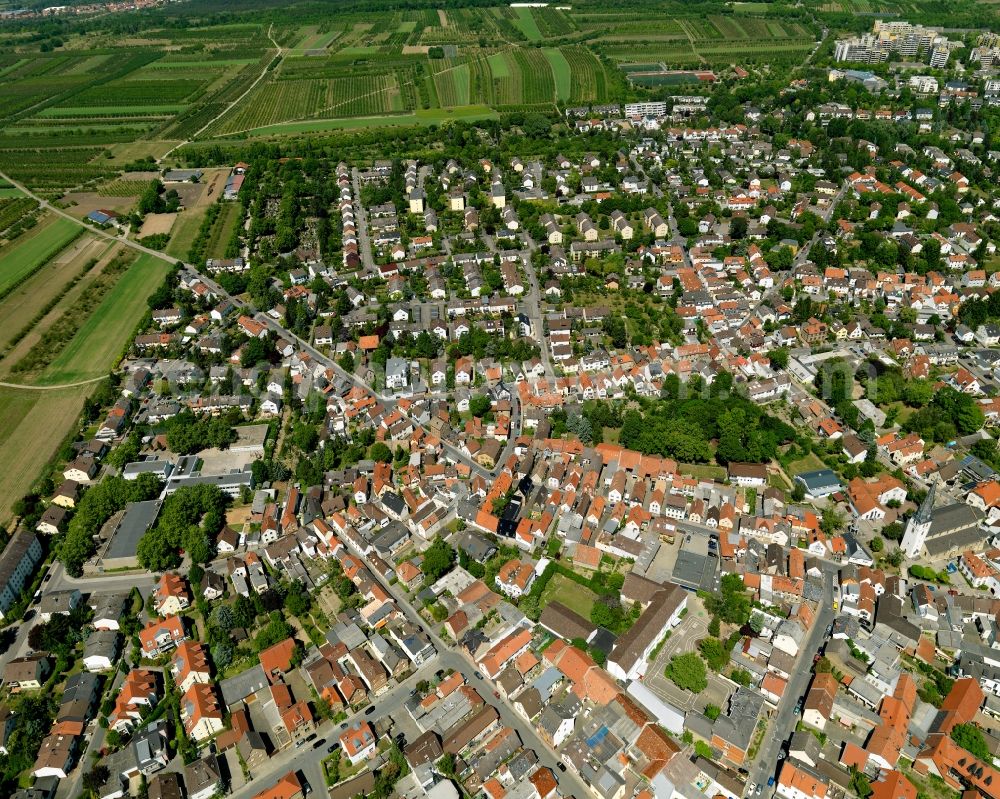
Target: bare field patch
column 155, row 224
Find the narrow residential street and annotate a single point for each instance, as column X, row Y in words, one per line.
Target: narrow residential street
column 782, row 724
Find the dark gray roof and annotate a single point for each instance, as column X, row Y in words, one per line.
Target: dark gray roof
column 138, row 518
column 240, row 686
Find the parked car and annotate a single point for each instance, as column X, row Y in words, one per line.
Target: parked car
column 333, row 746
column 369, row 710
column 319, row 743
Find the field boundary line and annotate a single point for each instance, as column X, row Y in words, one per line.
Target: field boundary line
column 53, row 388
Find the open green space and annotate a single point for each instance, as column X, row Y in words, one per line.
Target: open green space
column 184, row 232
column 702, row 471
column 561, row 71
column 576, row 597
column 33, row 250
column 809, row 463
column 498, row 65
column 526, row 22
column 105, row 333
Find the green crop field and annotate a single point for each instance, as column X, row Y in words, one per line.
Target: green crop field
column 103, row 335
column 22, row 257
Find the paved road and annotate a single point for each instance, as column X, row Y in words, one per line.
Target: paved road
column 52, row 388
column 449, row 658
column 783, row 723
column 70, row 787
column 533, row 308
column 309, row 760
column 361, row 220
column 677, row 238
column 106, row 583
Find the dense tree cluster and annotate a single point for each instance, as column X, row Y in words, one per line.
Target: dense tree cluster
column 190, row 520
column 187, row 433
column 96, row 506
column 951, row 412
column 683, row 428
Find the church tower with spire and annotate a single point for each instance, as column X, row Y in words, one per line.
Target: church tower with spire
column 919, row 526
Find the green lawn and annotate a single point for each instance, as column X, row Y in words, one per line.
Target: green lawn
column 703, row 471
column 560, row 71
column 33, row 250
column 498, row 65
column 228, row 219
column 185, row 231
column 102, row 337
column 810, row 463
column 526, row 22
column 573, row 595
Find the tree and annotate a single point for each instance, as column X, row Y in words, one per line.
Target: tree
column 297, row 601
column 778, row 357
column 96, row 778
column 731, row 603
column 687, row 672
column 860, row 784
column 380, row 453
column 480, row 405
column 222, row 654
column 438, row 559
column 713, row 711
column 446, row 766
column 702, row 749
column 971, row 739
column 877, row 544
column 831, row 521
column 741, row 677
column 715, row 653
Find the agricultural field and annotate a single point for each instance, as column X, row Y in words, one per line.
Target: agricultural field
column 33, row 425
column 22, row 257
column 99, row 341
column 22, row 304
column 71, row 118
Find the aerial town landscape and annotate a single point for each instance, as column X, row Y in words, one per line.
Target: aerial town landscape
column 500, row 402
